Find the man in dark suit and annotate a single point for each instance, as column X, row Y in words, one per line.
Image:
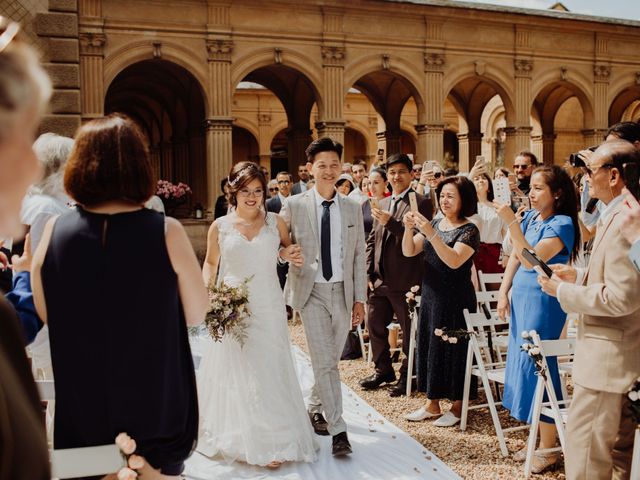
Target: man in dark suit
column 301, row 186
column 391, row 274
column 274, row 204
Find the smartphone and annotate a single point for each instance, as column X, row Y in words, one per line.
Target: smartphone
column 501, row 191
column 479, row 159
column 413, row 201
column 531, row 257
column 374, row 203
column 522, row 201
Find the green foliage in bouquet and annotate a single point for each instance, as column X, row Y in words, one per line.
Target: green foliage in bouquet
column 228, row 311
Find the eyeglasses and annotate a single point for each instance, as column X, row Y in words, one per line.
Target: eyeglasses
column 591, row 171
column 9, row 34
column 283, row 182
column 437, row 174
column 523, row 167
column 245, row 192
column 273, row 189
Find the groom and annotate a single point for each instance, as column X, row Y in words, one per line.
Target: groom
column 330, row 287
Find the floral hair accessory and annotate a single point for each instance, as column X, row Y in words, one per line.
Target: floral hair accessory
column 234, row 182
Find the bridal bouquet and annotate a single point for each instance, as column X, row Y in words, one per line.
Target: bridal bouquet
column 228, row 311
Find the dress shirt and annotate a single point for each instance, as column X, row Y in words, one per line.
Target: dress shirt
column 282, row 199
column 491, row 226
column 358, row 195
column 394, row 199
column 336, row 238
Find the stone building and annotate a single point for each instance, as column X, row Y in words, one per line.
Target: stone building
column 216, row 81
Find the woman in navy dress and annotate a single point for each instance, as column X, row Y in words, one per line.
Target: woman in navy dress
column 552, row 230
column 117, row 283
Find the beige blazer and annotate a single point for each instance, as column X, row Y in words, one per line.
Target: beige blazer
column 608, row 301
column 299, row 212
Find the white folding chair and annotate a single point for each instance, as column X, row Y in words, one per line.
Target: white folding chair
column 487, row 370
column 364, row 346
column 412, row 346
column 500, row 339
column 485, row 279
column 635, row 460
column 87, row 461
column 552, row 408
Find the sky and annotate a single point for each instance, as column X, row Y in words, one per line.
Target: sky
column 629, row 9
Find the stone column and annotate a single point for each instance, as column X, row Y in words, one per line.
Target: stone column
column 594, row 136
column 332, row 122
column 181, row 160
column 421, row 144
column 523, row 68
column 297, row 142
column 434, row 61
column 219, row 124
column 548, row 148
column 518, row 139
column 537, row 147
column 91, row 74
column 57, row 30
column 469, row 146
column 392, row 141
column 601, row 76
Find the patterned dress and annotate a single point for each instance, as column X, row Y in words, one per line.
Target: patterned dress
column 446, row 292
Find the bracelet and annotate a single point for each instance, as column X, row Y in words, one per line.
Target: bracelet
column 512, row 222
column 423, row 184
column 280, row 259
column 432, row 237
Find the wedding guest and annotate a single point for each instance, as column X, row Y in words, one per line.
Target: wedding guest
column 630, row 226
column 47, row 198
column 272, row 188
column 523, row 166
column 432, row 175
column 275, row 203
column 358, row 172
column 345, row 185
column 600, row 428
column 301, row 186
column 25, row 90
column 492, row 228
column 222, row 202
column 449, row 244
column 346, row 168
column 93, row 310
column 377, row 191
column 551, row 229
column 501, row 172
column 390, row 274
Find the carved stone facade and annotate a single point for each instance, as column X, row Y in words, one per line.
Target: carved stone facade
column 438, row 81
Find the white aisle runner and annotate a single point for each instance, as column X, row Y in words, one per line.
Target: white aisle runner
column 380, row 449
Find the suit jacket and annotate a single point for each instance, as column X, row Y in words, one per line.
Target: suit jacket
column 608, row 345
column 297, row 188
column 384, row 248
column 274, row 204
column 300, row 214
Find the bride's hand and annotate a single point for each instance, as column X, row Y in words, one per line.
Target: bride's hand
column 293, row 255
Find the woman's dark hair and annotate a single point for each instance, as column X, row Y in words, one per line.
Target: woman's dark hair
column 504, row 171
column 243, row 173
column 110, row 161
column 490, row 195
column 342, row 181
column 468, row 195
column 566, row 203
column 380, row 171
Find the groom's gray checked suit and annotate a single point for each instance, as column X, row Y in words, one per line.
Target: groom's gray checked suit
column 325, row 304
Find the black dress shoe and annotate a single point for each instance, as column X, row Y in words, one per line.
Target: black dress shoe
column 320, row 425
column 340, row 445
column 400, row 388
column 377, row 379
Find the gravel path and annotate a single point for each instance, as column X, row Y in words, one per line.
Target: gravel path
column 473, row 454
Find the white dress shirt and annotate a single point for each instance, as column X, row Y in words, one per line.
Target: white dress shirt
column 491, row 226
column 336, row 239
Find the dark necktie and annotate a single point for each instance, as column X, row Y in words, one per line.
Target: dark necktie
column 325, row 240
column 394, row 207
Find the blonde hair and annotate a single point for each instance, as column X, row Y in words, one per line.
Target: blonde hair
column 24, row 85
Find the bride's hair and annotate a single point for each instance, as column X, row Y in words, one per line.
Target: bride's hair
column 243, row 173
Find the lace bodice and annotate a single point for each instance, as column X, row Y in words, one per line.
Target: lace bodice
column 242, row 258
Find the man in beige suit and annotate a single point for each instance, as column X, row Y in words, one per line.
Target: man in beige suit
column 329, row 289
column 607, row 361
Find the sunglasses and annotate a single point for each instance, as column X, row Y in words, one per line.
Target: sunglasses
column 591, row 171
column 523, row 167
column 273, row 189
column 9, row 34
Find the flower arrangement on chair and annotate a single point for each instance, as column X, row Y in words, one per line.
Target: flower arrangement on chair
column 452, row 336
column 172, row 195
column 533, row 351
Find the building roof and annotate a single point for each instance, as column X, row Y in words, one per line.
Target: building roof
column 555, row 13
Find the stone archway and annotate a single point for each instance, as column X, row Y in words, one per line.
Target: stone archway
column 624, row 105
column 355, row 146
column 565, row 115
column 244, row 145
column 168, row 103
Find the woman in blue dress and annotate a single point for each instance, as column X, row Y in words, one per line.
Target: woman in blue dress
column 551, row 229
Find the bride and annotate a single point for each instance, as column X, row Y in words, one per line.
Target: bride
column 251, row 406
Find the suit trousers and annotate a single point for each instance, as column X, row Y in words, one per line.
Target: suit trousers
column 382, row 305
column 326, row 325
column 599, row 436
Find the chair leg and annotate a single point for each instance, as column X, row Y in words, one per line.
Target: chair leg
column 467, row 388
column 361, row 338
column 412, row 350
column 535, row 423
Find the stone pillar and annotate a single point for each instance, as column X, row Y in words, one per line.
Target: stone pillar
column 469, row 146
column 392, row 141
column 91, row 74
column 548, row 148
column 601, row 79
column 58, row 32
column 219, row 124
column 219, row 155
column 297, row 142
column 333, row 52
column 537, row 147
column 434, row 63
column 181, row 160
column 517, row 140
column 435, row 142
column 594, row 136
column 333, row 130
column 522, row 69
column 421, row 144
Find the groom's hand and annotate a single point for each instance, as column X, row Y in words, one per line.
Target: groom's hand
column 357, row 314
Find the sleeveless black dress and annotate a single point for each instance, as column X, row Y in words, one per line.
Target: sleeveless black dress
column 119, row 344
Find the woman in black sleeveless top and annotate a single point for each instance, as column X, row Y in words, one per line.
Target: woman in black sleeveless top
column 117, row 281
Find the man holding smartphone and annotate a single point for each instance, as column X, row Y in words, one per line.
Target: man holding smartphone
column 390, row 274
column 600, row 428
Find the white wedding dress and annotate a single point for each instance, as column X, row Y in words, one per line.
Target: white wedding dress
column 251, row 406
